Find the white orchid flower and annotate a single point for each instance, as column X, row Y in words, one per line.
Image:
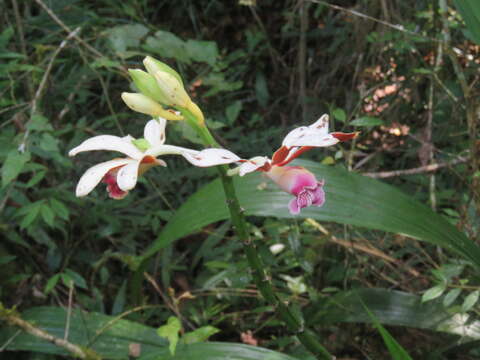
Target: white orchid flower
column 296, row 180
column 121, row 175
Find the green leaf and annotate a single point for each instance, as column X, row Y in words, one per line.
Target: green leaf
column 261, row 89
column 168, row 45
column 47, row 214
column 394, row 348
column 218, row 351
column 126, row 36
column 13, row 165
column 6, row 259
column 451, row 296
column 433, row 292
column 394, row 308
column 202, row 51
column 350, row 199
column 470, row 301
column 232, row 111
column 170, row 331
column 30, row 212
column 340, row 114
column 51, row 283
column 59, row 208
column 470, row 11
column 77, row 279
column 366, row 121
column 199, row 335
column 112, row 342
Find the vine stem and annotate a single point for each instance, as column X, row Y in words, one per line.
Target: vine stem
column 292, row 320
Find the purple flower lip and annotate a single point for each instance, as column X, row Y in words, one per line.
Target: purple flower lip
column 301, row 183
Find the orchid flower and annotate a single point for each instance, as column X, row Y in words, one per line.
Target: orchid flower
column 121, row 174
column 296, row 180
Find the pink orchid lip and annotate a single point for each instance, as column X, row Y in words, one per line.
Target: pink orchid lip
column 301, row 183
column 113, row 189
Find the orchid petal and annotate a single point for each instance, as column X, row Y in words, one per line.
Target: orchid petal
column 253, row 164
column 211, row 157
column 127, row 176
column 311, row 138
column 293, row 207
column 154, row 131
column 108, row 142
column 95, row 174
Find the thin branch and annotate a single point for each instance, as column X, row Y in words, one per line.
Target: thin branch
column 43, row 83
column 166, row 300
column 66, row 28
column 368, row 250
column 13, row 319
column 417, row 170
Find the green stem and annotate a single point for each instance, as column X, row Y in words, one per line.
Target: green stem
column 260, row 277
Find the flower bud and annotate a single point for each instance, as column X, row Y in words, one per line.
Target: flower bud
column 147, row 84
column 172, row 90
column 145, row 105
column 153, row 66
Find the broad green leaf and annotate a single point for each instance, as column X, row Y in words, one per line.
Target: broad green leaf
column 13, row 165
column 199, row 335
column 51, row 283
column 124, row 36
column 168, row 45
column 261, row 89
column 470, row 301
column 170, row 331
column 433, row 292
column 451, row 296
column 394, row 348
column 110, row 337
column 470, row 11
column 366, row 121
column 350, row 199
column 202, row 51
column 218, row 351
column 390, row 307
column 339, row 114
column 232, row 111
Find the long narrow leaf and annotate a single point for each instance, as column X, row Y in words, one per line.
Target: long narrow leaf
column 351, row 199
column 470, row 11
column 394, row 348
column 111, row 338
column 390, row 308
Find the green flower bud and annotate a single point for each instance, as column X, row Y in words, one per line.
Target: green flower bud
column 147, row 85
column 145, row 105
column 153, row 66
column 172, row 89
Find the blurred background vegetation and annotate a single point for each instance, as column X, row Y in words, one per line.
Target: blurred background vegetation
column 403, row 72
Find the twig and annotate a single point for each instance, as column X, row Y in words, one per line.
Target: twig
column 41, row 87
column 417, row 170
column 114, row 320
column 66, row 28
column 166, row 300
column 13, row 319
column 369, row 250
column 9, row 341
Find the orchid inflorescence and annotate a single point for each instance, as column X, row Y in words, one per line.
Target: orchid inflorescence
column 162, row 88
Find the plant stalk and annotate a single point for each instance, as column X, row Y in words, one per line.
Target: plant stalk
column 260, row 276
